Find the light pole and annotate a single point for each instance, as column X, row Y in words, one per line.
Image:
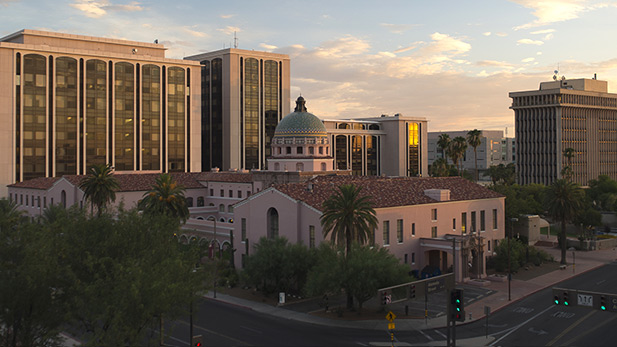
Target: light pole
column 214, row 253
column 513, row 220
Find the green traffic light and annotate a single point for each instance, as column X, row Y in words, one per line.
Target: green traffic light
column 556, row 302
column 565, row 303
column 603, row 308
column 458, row 309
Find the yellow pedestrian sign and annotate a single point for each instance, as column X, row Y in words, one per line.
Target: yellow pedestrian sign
column 390, row 326
column 390, row 316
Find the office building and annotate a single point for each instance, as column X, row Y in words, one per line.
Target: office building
column 244, row 96
column 578, row 114
column 494, row 149
column 70, row 101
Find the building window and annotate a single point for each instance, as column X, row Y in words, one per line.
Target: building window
column 299, row 150
column 494, row 218
column 222, row 192
column 405, row 261
column 453, row 223
column 489, row 245
column 211, row 192
column 231, row 193
column 434, row 214
column 273, row 223
column 320, row 150
column 44, row 202
column 38, row 201
column 311, row 150
column 299, row 167
column 200, row 201
column 386, row 232
column 27, row 200
column 221, row 208
column 239, row 194
column 21, row 199
column 473, row 221
column 399, row 230
column 63, row 198
column 243, row 234
column 482, row 220
column 464, row 222
column 288, row 150
column 11, row 197
column 434, row 232
column 230, row 209
column 413, row 229
column 311, row 236
column 413, row 258
column 189, row 202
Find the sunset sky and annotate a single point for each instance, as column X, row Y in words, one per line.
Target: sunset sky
column 452, row 62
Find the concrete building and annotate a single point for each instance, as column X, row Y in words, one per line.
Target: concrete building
column 244, row 96
column 387, row 145
column 578, row 114
column 494, row 149
column 70, row 101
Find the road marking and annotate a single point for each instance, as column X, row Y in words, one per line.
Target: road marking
column 593, row 329
column 597, row 283
column 361, row 344
column 561, row 314
column 520, row 325
column 440, row 333
column 253, row 330
column 173, row 338
column 215, row 333
column 426, row 335
column 579, row 321
column 523, row 310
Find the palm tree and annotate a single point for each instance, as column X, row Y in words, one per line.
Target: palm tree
column 444, row 143
column 10, row 215
column 440, row 168
column 165, row 197
column 348, row 217
column 457, row 152
column 474, row 139
column 563, row 200
column 99, row 187
column 567, row 171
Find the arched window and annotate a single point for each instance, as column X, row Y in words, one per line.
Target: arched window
column 189, row 202
column 299, row 167
column 63, row 198
column 273, row 223
column 323, row 166
column 288, row 150
column 299, row 150
column 221, row 208
column 200, row 201
column 343, row 126
column 373, row 127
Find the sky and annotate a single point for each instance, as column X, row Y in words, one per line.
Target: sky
column 451, row 62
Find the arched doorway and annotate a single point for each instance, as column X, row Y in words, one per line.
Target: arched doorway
column 273, row 223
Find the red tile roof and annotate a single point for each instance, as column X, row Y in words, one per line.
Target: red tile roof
column 388, row 191
column 226, row 176
column 128, row 182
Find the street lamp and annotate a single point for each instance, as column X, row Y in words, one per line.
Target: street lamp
column 513, row 220
column 212, row 218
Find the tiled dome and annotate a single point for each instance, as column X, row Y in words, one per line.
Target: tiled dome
column 300, row 123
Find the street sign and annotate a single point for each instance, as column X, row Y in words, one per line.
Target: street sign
column 390, row 316
column 390, row 326
column 585, row 300
column 435, row 285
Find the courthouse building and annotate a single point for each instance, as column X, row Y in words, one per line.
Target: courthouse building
column 70, row 101
column 578, row 114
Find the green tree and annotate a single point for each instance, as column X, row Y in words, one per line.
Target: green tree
column 501, row 174
column 166, row 197
column 563, row 201
column 603, row 192
column 444, row 143
column 440, row 168
column 348, row 216
column 99, row 187
column 361, row 273
column 458, row 147
column 474, row 139
column 127, row 271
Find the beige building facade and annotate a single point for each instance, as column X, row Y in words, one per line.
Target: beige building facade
column 244, row 96
column 578, row 114
column 69, row 101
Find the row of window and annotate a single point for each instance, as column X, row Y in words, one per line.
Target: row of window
column 35, row 201
column 230, row 193
column 300, row 150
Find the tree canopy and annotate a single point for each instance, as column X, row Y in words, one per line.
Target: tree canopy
column 99, row 186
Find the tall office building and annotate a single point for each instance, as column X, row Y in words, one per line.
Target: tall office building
column 70, row 101
column 578, row 114
column 244, row 96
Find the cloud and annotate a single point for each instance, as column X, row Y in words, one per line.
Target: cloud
column 553, row 11
column 397, row 28
column 227, row 16
column 194, row 33
column 528, row 60
column 530, row 42
column 99, row 8
column 541, row 32
column 500, row 34
column 495, row 63
column 488, row 33
column 347, row 46
column 6, row 2
column 405, row 49
column 548, row 37
column 229, row 30
column 267, row 46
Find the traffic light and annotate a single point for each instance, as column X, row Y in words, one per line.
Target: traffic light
column 556, row 300
column 458, row 309
column 412, row 291
column 602, row 303
column 566, row 300
column 197, row 341
column 384, row 298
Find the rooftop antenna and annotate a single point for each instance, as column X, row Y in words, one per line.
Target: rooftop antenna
column 235, row 40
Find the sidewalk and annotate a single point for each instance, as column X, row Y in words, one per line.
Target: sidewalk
column 585, row 261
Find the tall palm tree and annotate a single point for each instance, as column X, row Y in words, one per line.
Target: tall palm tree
column 348, row 217
column 563, row 200
column 165, row 197
column 99, row 187
column 474, row 139
column 457, row 152
column 567, row 171
column 444, row 143
column 10, row 215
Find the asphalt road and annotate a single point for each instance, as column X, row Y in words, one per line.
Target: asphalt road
column 533, row 321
